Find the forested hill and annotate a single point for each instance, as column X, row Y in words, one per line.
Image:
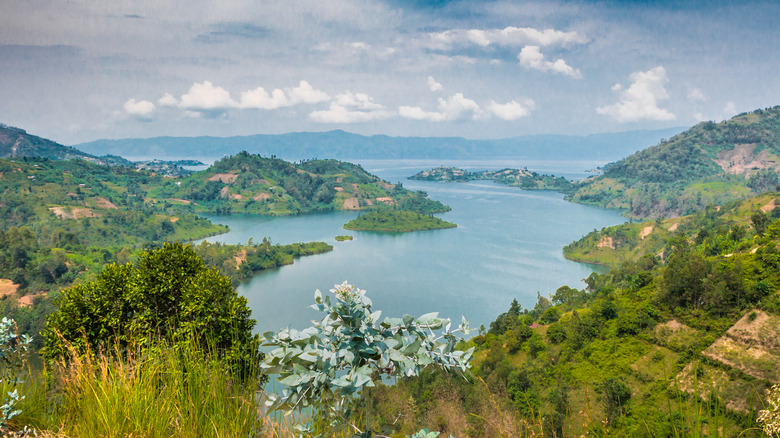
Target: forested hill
column 16, row 142
column 250, row 183
column 711, row 163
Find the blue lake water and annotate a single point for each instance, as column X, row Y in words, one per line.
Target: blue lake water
column 508, row 244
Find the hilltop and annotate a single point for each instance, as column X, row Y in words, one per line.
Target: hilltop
column 249, row 183
column 711, row 163
column 17, row 143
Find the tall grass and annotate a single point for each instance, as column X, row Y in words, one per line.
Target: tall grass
column 158, row 392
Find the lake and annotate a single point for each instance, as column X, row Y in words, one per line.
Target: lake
column 508, row 244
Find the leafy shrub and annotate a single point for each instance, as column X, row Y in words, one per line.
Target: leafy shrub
column 169, row 293
column 349, row 351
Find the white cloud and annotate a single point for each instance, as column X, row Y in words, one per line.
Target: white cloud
column 512, row 110
column 456, row 107
column 478, row 37
column 509, row 36
column 206, row 97
column 640, row 100
column 531, row 57
column 261, row 99
column 351, row 107
column 696, row 95
column 699, row 117
column 305, row 93
column 168, row 101
column 434, row 86
column 142, row 109
column 360, row 101
column 417, row 113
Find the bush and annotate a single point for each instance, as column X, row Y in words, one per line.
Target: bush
column 168, row 294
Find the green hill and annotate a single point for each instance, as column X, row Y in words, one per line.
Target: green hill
column 711, row 163
column 17, row 143
column 250, row 183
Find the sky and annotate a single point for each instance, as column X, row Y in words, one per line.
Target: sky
column 80, row 70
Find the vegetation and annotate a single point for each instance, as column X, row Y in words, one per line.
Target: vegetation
column 348, row 352
column 239, row 262
column 707, row 164
column 343, row 238
column 168, row 293
column 396, row 221
column 524, row 179
column 730, row 228
column 249, row 183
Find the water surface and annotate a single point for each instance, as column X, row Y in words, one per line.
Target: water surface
column 507, row 245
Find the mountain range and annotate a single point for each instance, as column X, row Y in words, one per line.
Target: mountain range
column 344, row 145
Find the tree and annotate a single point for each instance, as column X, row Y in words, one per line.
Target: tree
column 615, row 394
column 169, row 294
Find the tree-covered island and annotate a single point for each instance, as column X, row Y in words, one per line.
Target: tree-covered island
column 522, row 178
column 396, row 221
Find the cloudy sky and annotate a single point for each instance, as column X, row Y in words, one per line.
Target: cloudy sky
column 80, row 70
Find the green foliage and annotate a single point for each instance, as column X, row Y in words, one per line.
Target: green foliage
column 616, row 395
column 349, row 351
column 169, row 293
column 249, row 183
column 12, row 356
column 396, row 221
column 239, row 262
column 680, row 176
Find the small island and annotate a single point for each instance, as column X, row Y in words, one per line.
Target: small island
column 396, row 221
column 522, row 178
column 343, row 238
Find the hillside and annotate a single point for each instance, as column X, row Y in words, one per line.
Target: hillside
column 343, row 145
column 615, row 245
column 17, row 143
column 711, row 163
column 250, row 183
column 522, row 178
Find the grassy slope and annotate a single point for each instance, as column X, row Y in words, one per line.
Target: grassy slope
column 707, row 164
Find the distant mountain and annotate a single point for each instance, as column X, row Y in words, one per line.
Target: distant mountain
column 711, row 163
column 16, row 142
column 343, row 145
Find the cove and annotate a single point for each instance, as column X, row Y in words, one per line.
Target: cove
column 508, row 245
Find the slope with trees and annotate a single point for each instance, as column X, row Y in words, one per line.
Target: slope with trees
column 711, row 163
column 268, row 185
